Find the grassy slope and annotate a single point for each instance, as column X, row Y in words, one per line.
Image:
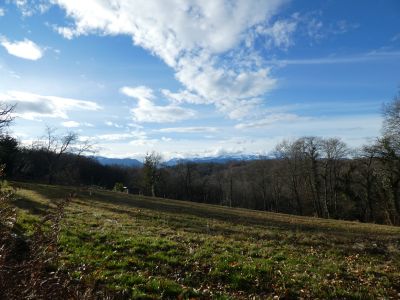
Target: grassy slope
column 164, row 248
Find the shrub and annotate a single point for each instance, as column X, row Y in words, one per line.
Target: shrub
column 118, row 187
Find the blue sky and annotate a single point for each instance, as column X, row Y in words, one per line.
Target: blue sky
column 199, row 78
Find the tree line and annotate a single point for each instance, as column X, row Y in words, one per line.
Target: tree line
column 311, row 176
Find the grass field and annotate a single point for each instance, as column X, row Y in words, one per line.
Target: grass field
column 156, row 248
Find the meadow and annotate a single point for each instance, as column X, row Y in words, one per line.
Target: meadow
column 151, row 248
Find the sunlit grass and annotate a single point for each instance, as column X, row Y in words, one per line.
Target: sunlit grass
column 160, row 248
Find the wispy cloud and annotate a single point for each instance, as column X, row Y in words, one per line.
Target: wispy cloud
column 360, row 58
column 2, row 12
column 32, row 106
column 147, row 111
column 115, row 136
column 395, row 38
column 8, row 72
column 343, row 26
column 280, row 34
column 271, row 119
column 25, row 49
column 188, row 129
column 28, row 7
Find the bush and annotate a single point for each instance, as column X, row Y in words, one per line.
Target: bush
column 118, row 187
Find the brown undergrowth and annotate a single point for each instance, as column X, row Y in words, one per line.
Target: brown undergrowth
column 29, row 266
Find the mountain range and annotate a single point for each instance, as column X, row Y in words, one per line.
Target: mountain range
column 132, row 162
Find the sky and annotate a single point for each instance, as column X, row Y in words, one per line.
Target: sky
column 189, row 78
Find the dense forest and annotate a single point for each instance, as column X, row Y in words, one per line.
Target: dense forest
column 312, row 176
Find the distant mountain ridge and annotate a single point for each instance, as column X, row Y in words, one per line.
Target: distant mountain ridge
column 221, row 159
column 125, row 162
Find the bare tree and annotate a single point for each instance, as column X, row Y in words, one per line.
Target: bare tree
column 262, row 181
column 6, row 115
column 333, row 152
column 368, row 180
column 391, row 120
column 311, row 148
column 56, row 146
column 291, row 153
column 389, row 153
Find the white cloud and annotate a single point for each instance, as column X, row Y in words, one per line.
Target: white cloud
column 149, row 143
column 283, row 33
column 234, row 93
column 280, row 33
column 115, row 136
column 202, row 41
column 271, row 119
column 214, row 25
column 183, row 96
column 68, row 33
column 2, row 12
column 70, row 124
column 314, row 28
column 112, row 124
column 32, row 106
column 30, row 7
column 25, row 49
column 112, row 137
column 147, row 111
column 188, row 129
column 134, row 125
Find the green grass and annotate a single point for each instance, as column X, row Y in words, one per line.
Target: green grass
column 156, row 248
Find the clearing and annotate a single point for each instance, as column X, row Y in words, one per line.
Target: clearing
column 160, row 248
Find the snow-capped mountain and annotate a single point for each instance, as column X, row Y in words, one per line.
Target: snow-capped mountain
column 221, row 159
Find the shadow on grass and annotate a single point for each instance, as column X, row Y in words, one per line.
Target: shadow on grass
column 262, row 225
column 245, row 217
column 33, row 207
column 230, row 215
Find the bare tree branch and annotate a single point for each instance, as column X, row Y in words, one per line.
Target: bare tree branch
column 6, row 115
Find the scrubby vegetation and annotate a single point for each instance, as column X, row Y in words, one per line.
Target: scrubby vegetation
column 30, row 259
column 143, row 247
